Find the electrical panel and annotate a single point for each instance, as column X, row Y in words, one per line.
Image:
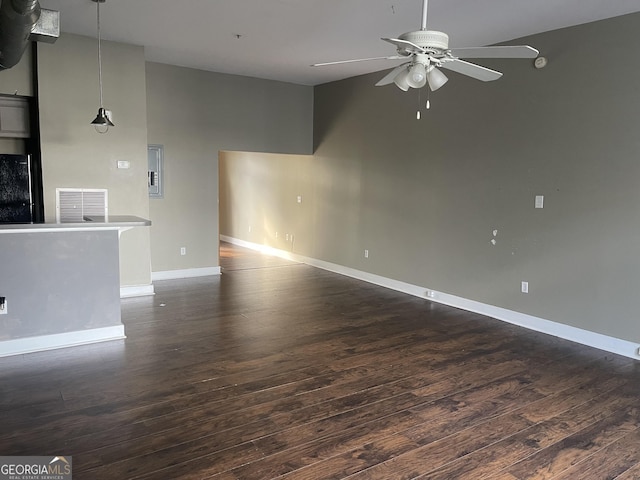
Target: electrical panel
column 155, row 174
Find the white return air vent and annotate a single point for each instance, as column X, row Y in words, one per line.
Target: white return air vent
column 74, row 204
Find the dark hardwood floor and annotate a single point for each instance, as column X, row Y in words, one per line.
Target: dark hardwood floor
column 281, row 370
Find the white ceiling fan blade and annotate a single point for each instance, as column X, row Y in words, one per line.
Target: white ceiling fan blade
column 391, row 76
column 472, row 70
column 340, row 62
column 501, row 51
column 405, row 45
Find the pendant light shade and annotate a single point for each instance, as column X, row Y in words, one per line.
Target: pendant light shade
column 102, row 119
column 102, row 122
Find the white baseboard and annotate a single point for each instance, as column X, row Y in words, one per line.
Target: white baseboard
column 136, row 291
column 19, row 346
column 188, row 273
column 574, row 334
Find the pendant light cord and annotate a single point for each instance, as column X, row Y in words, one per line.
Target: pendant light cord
column 99, row 56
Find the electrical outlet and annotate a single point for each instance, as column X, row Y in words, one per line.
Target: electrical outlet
column 366, row 254
column 524, row 287
column 183, row 250
column 3, row 305
column 431, row 294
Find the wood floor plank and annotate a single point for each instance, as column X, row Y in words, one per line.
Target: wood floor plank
column 280, row 370
column 290, row 456
column 511, row 450
column 633, row 473
column 609, row 462
column 445, row 450
column 562, row 454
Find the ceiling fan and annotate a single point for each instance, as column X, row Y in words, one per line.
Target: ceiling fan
column 428, row 50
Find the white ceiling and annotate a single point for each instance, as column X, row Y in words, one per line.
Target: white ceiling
column 279, row 39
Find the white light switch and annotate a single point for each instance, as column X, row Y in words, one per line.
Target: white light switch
column 524, row 287
column 539, row 201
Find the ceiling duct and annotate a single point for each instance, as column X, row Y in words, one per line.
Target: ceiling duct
column 18, row 19
column 47, row 29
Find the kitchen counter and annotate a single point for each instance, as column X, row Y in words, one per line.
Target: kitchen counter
column 113, row 222
column 61, row 283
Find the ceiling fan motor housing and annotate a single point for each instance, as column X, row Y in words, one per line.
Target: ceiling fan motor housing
column 427, row 39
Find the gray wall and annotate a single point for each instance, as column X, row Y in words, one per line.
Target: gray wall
column 425, row 196
column 195, row 114
column 18, row 80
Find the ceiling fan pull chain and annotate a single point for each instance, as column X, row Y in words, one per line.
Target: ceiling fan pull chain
column 418, row 112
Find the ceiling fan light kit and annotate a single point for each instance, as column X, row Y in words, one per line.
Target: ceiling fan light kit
column 428, row 50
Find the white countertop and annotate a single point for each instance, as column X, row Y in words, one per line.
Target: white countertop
column 112, row 222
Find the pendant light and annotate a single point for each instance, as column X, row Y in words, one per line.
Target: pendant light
column 102, row 122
